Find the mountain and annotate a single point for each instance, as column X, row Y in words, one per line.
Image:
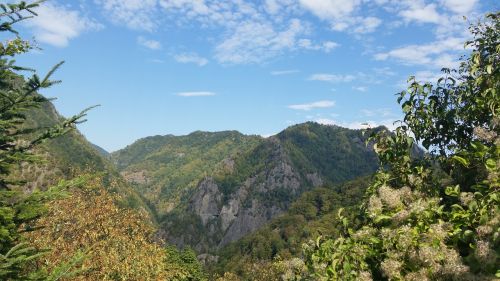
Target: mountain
column 314, row 213
column 210, row 189
column 69, row 156
column 104, row 153
column 166, row 168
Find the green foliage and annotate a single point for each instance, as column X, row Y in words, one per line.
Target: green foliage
column 437, row 217
column 186, row 263
column 116, row 243
column 18, row 209
column 166, row 169
column 309, row 217
column 337, row 154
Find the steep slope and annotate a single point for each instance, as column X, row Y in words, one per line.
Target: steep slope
column 71, row 155
column 166, row 169
column 314, row 213
column 211, row 189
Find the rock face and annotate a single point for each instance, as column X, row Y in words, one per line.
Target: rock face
column 210, row 189
column 249, row 220
column 205, row 203
column 249, row 207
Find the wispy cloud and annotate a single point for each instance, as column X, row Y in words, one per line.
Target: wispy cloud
column 333, row 78
column 148, row 43
column 156, row 61
column 284, row 72
column 418, row 11
column 442, row 53
column 461, row 7
column 356, row 125
column 428, row 76
column 195, row 94
column 332, row 9
column 191, row 58
column 137, row 15
column 360, row 88
column 254, row 42
column 308, row 44
column 367, row 25
column 313, row 105
column 57, row 25
column 379, row 112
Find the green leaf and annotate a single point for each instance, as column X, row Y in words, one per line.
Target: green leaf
column 489, row 69
column 452, row 191
column 461, row 160
column 491, row 164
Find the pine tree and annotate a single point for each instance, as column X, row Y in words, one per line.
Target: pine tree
column 18, row 207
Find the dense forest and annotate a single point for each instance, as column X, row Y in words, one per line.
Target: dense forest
column 313, row 202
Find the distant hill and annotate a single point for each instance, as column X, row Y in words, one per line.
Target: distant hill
column 210, row 189
column 104, row 153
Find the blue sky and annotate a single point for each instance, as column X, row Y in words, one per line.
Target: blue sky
column 176, row 66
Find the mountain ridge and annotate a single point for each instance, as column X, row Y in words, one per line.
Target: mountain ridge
column 212, row 188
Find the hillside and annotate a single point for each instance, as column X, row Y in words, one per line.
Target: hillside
column 165, row 169
column 210, row 189
column 314, row 213
column 68, row 156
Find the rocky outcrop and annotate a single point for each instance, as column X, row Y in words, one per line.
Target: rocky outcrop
column 206, row 201
column 314, row 179
column 248, row 220
column 228, row 218
column 251, row 187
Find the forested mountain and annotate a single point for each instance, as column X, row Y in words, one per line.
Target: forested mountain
column 68, row 156
column 210, row 189
column 99, row 210
column 313, row 214
column 314, row 202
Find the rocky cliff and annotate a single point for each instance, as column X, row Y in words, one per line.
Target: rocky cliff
column 251, row 185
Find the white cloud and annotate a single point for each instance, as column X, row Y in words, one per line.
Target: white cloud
column 150, row 44
column 442, row 53
column 284, row 72
column 367, row 25
column 333, row 78
column 313, row 105
column 254, row 42
column 307, row 44
column 57, row 25
column 419, row 12
column 195, row 6
column 356, row 125
column 135, row 14
column 461, row 7
column 427, row 76
column 195, row 94
column 191, row 58
column 360, row 88
column 326, row 121
column 330, row 9
column 341, row 15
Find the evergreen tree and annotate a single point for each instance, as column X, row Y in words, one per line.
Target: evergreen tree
column 19, row 208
